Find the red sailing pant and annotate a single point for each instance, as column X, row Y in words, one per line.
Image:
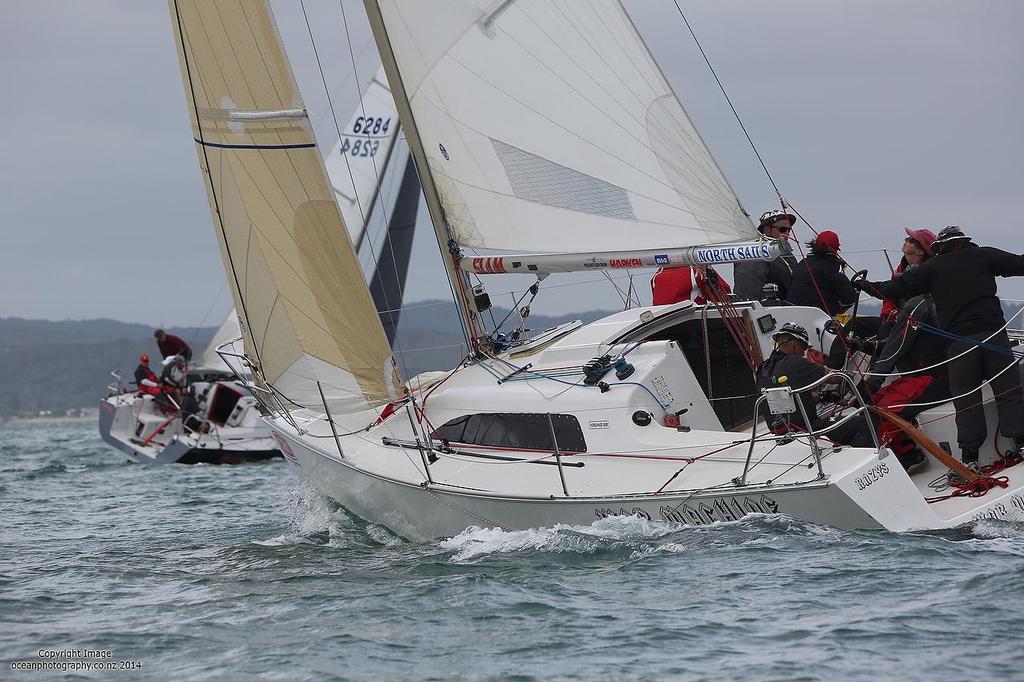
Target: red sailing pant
column 923, row 388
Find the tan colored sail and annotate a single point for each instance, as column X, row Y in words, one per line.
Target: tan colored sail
column 307, row 315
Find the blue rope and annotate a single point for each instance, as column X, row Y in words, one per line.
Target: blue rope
column 973, row 342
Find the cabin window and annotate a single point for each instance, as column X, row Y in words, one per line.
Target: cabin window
column 730, row 388
column 515, row 430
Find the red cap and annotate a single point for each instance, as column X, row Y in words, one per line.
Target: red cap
column 144, row 359
column 829, row 239
column 924, row 237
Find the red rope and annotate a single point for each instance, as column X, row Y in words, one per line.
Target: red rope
column 733, row 321
column 980, row 486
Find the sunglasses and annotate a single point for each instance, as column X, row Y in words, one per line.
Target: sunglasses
column 785, row 229
column 913, row 242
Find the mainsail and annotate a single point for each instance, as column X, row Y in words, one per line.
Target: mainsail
column 308, row 322
column 547, row 126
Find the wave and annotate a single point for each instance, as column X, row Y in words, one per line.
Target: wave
column 639, row 537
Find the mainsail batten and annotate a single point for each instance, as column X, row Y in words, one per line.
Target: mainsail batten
column 309, row 322
column 548, row 127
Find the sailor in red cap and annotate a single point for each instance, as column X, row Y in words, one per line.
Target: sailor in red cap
column 146, row 380
column 917, row 248
column 818, row 280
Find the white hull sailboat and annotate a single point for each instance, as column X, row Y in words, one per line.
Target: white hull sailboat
column 149, row 429
column 546, row 140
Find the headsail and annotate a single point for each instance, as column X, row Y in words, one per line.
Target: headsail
column 548, row 127
column 308, row 321
column 227, row 331
column 357, row 162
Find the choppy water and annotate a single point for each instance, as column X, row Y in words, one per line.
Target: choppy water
column 239, row 573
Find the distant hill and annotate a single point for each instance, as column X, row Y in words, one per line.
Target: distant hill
column 62, row 365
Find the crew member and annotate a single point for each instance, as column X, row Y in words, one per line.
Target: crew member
column 145, row 379
column 916, row 249
column 190, row 411
column 751, row 276
column 173, row 378
column 818, row 280
column 684, row 283
column 961, row 279
column 918, row 358
column 787, row 366
column 170, row 345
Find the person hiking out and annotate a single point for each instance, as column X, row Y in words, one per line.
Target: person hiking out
column 751, row 276
column 818, row 280
column 788, row 366
column 171, row 345
column 961, row 279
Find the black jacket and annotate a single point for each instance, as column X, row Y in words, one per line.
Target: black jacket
column 794, row 371
column 836, row 290
column 963, row 285
column 750, row 276
column 906, row 349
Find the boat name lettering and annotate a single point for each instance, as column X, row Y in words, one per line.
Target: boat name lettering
column 720, row 509
column 622, row 511
column 598, row 424
column 872, row 475
column 728, row 254
column 998, row 511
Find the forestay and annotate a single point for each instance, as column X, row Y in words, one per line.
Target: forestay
column 548, row 127
column 307, row 316
column 356, row 163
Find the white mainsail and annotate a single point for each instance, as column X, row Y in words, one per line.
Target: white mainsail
column 308, row 321
column 356, row 163
column 548, row 127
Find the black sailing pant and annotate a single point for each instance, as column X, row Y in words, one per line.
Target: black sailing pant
column 967, row 373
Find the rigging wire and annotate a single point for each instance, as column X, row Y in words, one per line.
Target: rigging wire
column 729, row 100
column 337, row 127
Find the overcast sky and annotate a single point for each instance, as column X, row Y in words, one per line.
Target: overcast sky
column 871, row 115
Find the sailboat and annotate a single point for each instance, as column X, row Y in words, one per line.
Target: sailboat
column 149, row 430
column 546, row 140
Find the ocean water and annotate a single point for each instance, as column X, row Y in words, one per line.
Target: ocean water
column 240, row 573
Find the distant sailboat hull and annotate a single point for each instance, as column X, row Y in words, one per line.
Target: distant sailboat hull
column 128, row 423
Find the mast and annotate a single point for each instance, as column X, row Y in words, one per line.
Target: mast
column 459, row 280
